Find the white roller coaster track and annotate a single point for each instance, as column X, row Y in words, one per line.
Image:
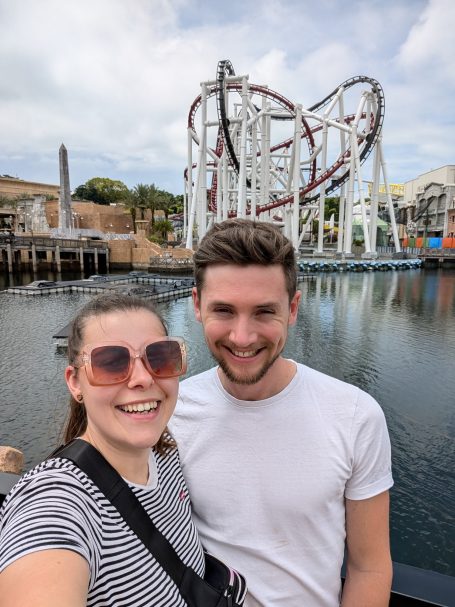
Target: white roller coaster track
column 259, row 155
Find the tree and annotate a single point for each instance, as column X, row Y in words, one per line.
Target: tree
column 165, row 202
column 144, row 196
column 332, row 206
column 154, row 201
column 102, row 190
column 161, row 229
column 177, row 206
column 141, row 196
column 131, row 205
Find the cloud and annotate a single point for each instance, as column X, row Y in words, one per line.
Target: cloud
column 429, row 48
column 114, row 80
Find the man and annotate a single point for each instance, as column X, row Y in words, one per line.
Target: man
column 283, row 463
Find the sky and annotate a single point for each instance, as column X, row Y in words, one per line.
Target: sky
column 114, row 79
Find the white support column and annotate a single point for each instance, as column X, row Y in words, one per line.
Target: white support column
column 342, row 205
column 185, row 208
column 196, row 195
column 218, row 191
column 352, row 173
column 374, row 206
column 396, row 239
column 341, row 209
column 188, row 186
column 366, row 235
column 263, row 172
column 287, row 221
column 201, row 191
column 265, row 155
column 296, row 177
column 307, row 223
column 254, row 163
column 224, row 161
column 241, row 202
column 320, row 245
column 349, row 203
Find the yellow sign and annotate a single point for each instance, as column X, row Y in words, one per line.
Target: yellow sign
column 396, row 189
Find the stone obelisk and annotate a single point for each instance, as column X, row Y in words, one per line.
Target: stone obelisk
column 64, row 216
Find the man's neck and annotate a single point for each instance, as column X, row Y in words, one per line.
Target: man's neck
column 274, row 381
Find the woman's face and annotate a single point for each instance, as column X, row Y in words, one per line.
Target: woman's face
column 112, row 424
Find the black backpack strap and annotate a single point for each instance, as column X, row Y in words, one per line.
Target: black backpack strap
column 116, row 490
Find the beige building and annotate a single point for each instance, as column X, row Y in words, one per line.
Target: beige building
column 429, row 200
column 451, row 223
column 11, row 187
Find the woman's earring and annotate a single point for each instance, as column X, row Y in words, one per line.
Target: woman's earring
column 80, row 398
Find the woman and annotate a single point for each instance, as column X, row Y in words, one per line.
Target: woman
column 61, row 541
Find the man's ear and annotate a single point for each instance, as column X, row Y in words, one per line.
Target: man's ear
column 196, row 304
column 294, row 307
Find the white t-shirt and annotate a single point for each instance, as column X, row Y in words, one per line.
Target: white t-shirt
column 268, row 479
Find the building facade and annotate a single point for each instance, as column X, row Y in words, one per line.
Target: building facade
column 429, row 200
column 10, row 187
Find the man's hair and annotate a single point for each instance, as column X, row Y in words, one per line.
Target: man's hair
column 244, row 242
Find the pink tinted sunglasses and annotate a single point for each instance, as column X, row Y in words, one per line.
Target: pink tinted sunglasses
column 111, row 363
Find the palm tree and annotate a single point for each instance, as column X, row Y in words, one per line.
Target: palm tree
column 154, row 201
column 141, row 195
column 131, row 204
column 162, row 227
column 165, row 202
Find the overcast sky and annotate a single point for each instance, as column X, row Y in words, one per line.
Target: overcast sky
column 114, row 79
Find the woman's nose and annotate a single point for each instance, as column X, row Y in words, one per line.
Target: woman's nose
column 140, row 376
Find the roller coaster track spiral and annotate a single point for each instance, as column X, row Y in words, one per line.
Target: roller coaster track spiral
column 366, row 138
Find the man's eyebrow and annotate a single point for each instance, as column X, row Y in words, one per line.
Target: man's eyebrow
column 268, row 304
column 215, row 303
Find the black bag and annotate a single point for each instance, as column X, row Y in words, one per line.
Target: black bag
column 221, row 586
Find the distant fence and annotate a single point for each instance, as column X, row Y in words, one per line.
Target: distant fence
column 429, row 243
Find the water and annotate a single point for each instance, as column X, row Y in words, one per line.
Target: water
column 390, row 333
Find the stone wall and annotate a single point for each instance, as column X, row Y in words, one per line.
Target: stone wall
column 89, row 215
column 138, row 252
column 121, row 252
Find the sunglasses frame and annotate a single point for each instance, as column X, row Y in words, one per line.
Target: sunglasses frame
column 84, row 359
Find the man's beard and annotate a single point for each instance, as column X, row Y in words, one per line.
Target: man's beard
column 245, row 380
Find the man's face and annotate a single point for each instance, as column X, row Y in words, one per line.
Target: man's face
column 245, row 312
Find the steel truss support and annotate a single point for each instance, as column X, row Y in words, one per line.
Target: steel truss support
column 245, row 169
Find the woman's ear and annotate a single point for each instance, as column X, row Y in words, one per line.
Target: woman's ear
column 72, row 381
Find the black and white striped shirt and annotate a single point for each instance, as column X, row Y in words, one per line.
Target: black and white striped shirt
column 56, row 505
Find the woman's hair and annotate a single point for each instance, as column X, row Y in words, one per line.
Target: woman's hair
column 76, row 422
column 244, row 242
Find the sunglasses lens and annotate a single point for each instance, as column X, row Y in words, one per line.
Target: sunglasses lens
column 165, row 358
column 110, row 364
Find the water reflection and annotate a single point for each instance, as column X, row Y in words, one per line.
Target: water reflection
column 391, row 333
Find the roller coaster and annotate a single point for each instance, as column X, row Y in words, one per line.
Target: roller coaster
column 259, row 155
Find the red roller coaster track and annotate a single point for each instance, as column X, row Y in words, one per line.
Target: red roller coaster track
column 366, row 139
